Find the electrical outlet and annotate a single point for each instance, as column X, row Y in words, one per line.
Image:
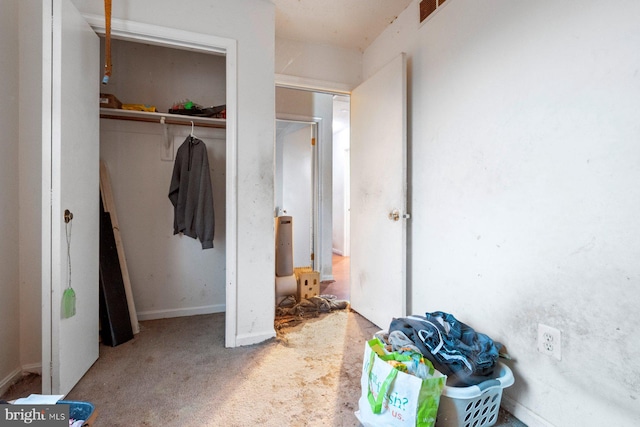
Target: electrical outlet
column 549, row 341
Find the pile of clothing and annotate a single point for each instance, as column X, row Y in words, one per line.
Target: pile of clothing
column 290, row 311
column 190, row 108
column 467, row 357
column 313, row 305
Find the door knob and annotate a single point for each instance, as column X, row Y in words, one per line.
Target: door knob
column 394, row 215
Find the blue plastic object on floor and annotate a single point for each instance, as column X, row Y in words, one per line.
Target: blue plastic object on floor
column 78, row 410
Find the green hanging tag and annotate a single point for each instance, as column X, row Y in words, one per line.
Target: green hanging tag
column 69, row 295
column 68, row 303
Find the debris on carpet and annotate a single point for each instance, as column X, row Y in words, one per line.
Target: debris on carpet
column 290, row 312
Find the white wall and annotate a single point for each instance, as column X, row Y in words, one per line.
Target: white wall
column 251, row 23
column 329, row 67
column 303, row 104
column 9, row 198
column 340, row 190
column 30, row 184
column 524, row 126
column 170, row 275
column 161, row 76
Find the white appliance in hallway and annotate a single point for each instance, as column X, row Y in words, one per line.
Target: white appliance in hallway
column 285, row 279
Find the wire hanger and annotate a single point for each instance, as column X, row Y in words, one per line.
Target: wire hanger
column 192, row 135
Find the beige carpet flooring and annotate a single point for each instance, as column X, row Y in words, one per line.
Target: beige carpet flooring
column 177, row 372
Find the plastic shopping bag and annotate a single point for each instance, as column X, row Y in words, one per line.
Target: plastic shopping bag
column 391, row 397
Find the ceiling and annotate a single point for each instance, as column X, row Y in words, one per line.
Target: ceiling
column 350, row 24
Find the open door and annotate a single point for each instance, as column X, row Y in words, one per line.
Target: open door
column 295, row 184
column 378, row 195
column 70, row 182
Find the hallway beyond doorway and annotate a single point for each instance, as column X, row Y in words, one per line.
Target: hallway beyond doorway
column 341, row 279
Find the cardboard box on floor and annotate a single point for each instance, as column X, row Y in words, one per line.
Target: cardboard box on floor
column 308, row 282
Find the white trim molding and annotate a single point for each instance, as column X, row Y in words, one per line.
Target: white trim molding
column 294, row 82
column 523, row 413
column 181, row 312
column 9, row 380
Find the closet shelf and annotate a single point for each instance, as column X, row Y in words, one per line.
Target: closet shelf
column 170, row 119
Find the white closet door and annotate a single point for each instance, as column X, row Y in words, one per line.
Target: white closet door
column 71, row 158
column 378, row 195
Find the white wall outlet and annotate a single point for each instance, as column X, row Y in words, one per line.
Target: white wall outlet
column 549, row 341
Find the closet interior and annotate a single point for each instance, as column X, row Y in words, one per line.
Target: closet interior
column 171, row 275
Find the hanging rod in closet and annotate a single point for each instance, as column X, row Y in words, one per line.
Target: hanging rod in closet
column 170, row 119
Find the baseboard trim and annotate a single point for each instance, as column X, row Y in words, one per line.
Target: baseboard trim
column 523, row 413
column 327, row 277
column 181, row 312
column 10, row 379
column 248, row 339
column 337, row 251
column 32, row 368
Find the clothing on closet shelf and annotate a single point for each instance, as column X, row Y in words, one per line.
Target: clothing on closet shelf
column 191, row 194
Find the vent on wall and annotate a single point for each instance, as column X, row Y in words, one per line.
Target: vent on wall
column 427, row 7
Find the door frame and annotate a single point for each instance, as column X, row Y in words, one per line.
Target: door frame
column 205, row 43
column 332, row 88
column 317, row 86
column 316, row 221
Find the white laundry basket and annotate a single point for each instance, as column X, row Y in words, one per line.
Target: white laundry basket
column 474, row 406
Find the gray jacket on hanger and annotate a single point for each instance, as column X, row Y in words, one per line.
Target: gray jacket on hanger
column 191, row 194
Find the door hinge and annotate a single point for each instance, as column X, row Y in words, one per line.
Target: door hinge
column 313, row 257
column 313, row 141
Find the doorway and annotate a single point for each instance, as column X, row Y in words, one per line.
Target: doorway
column 296, row 184
column 331, row 112
column 313, row 107
column 378, row 181
column 341, row 171
column 172, row 275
